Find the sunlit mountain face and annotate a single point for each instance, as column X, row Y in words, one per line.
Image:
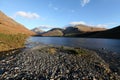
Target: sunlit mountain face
column 9, row 26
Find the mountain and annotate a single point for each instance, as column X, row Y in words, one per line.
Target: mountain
column 53, row 32
column 37, row 30
column 9, row 26
column 110, row 33
column 86, row 28
column 80, row 29
column 72, row 31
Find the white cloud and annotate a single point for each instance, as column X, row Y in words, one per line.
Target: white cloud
column 84, row 2
column 107, row 25
column 84, row 23
column 102, row 25
column 46, row 27
column 77, row 23
column 27, row 15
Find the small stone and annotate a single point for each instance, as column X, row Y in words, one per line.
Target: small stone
column 94, row 78
column 7, row 62
column 116, row 73
column 103, row 48
column 3, row 60
column 16, row 68
column 15, row 75
column 13, row 51
column 83, row 78
column 2, row 71
column 75, row 75
column 7, row 78
column 67, row 71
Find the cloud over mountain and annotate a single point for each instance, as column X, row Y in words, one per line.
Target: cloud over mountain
column 46, row 27
column 77, row 23
column 86, row 24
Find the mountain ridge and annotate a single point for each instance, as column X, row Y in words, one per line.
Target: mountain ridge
column 91, row 32
column 71, row 30
column 53, row 32
column 37, row 30
column 10, row 26
column 110, row 33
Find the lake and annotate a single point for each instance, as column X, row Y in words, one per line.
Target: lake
column 90, row 43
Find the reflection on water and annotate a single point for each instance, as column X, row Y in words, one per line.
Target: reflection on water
column 91, row 43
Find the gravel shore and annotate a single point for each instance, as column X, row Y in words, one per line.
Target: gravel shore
column 55, row 63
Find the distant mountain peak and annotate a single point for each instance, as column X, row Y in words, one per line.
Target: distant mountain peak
column 54, row 32
column 37, row 30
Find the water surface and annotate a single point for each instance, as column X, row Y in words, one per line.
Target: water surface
column 90, row 43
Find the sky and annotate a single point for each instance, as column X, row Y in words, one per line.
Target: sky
column 48, row 14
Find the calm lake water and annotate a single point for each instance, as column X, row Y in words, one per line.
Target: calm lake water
column 90, row 43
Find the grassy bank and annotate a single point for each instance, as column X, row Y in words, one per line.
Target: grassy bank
column 11, row 41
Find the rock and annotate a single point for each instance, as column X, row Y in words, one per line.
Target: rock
column 15, row 75
column 103, row 48
column 16, row 68
column 2, row 71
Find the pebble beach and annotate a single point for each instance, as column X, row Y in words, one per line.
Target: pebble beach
column 45, row 62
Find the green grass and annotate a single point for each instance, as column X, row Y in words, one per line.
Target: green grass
column 74, row 51
column 11, row 41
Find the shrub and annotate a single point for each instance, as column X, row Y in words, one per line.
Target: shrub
column 52, row 50
column 74, row 51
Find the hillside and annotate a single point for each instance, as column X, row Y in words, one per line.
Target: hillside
column 9, row 26
column 86, row 28
column 80, row 29
column 110, row 33
column 53, row 32
column 12, row 34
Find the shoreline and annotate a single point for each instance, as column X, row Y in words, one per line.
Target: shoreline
column 56, row 62
column 5, row 54
column 78, row 37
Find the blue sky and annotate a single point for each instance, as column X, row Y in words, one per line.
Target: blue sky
column 60, row 13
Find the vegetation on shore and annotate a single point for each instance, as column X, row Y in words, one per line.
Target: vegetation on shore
column 12, row 33
column 11, row 41
column 69, row 50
